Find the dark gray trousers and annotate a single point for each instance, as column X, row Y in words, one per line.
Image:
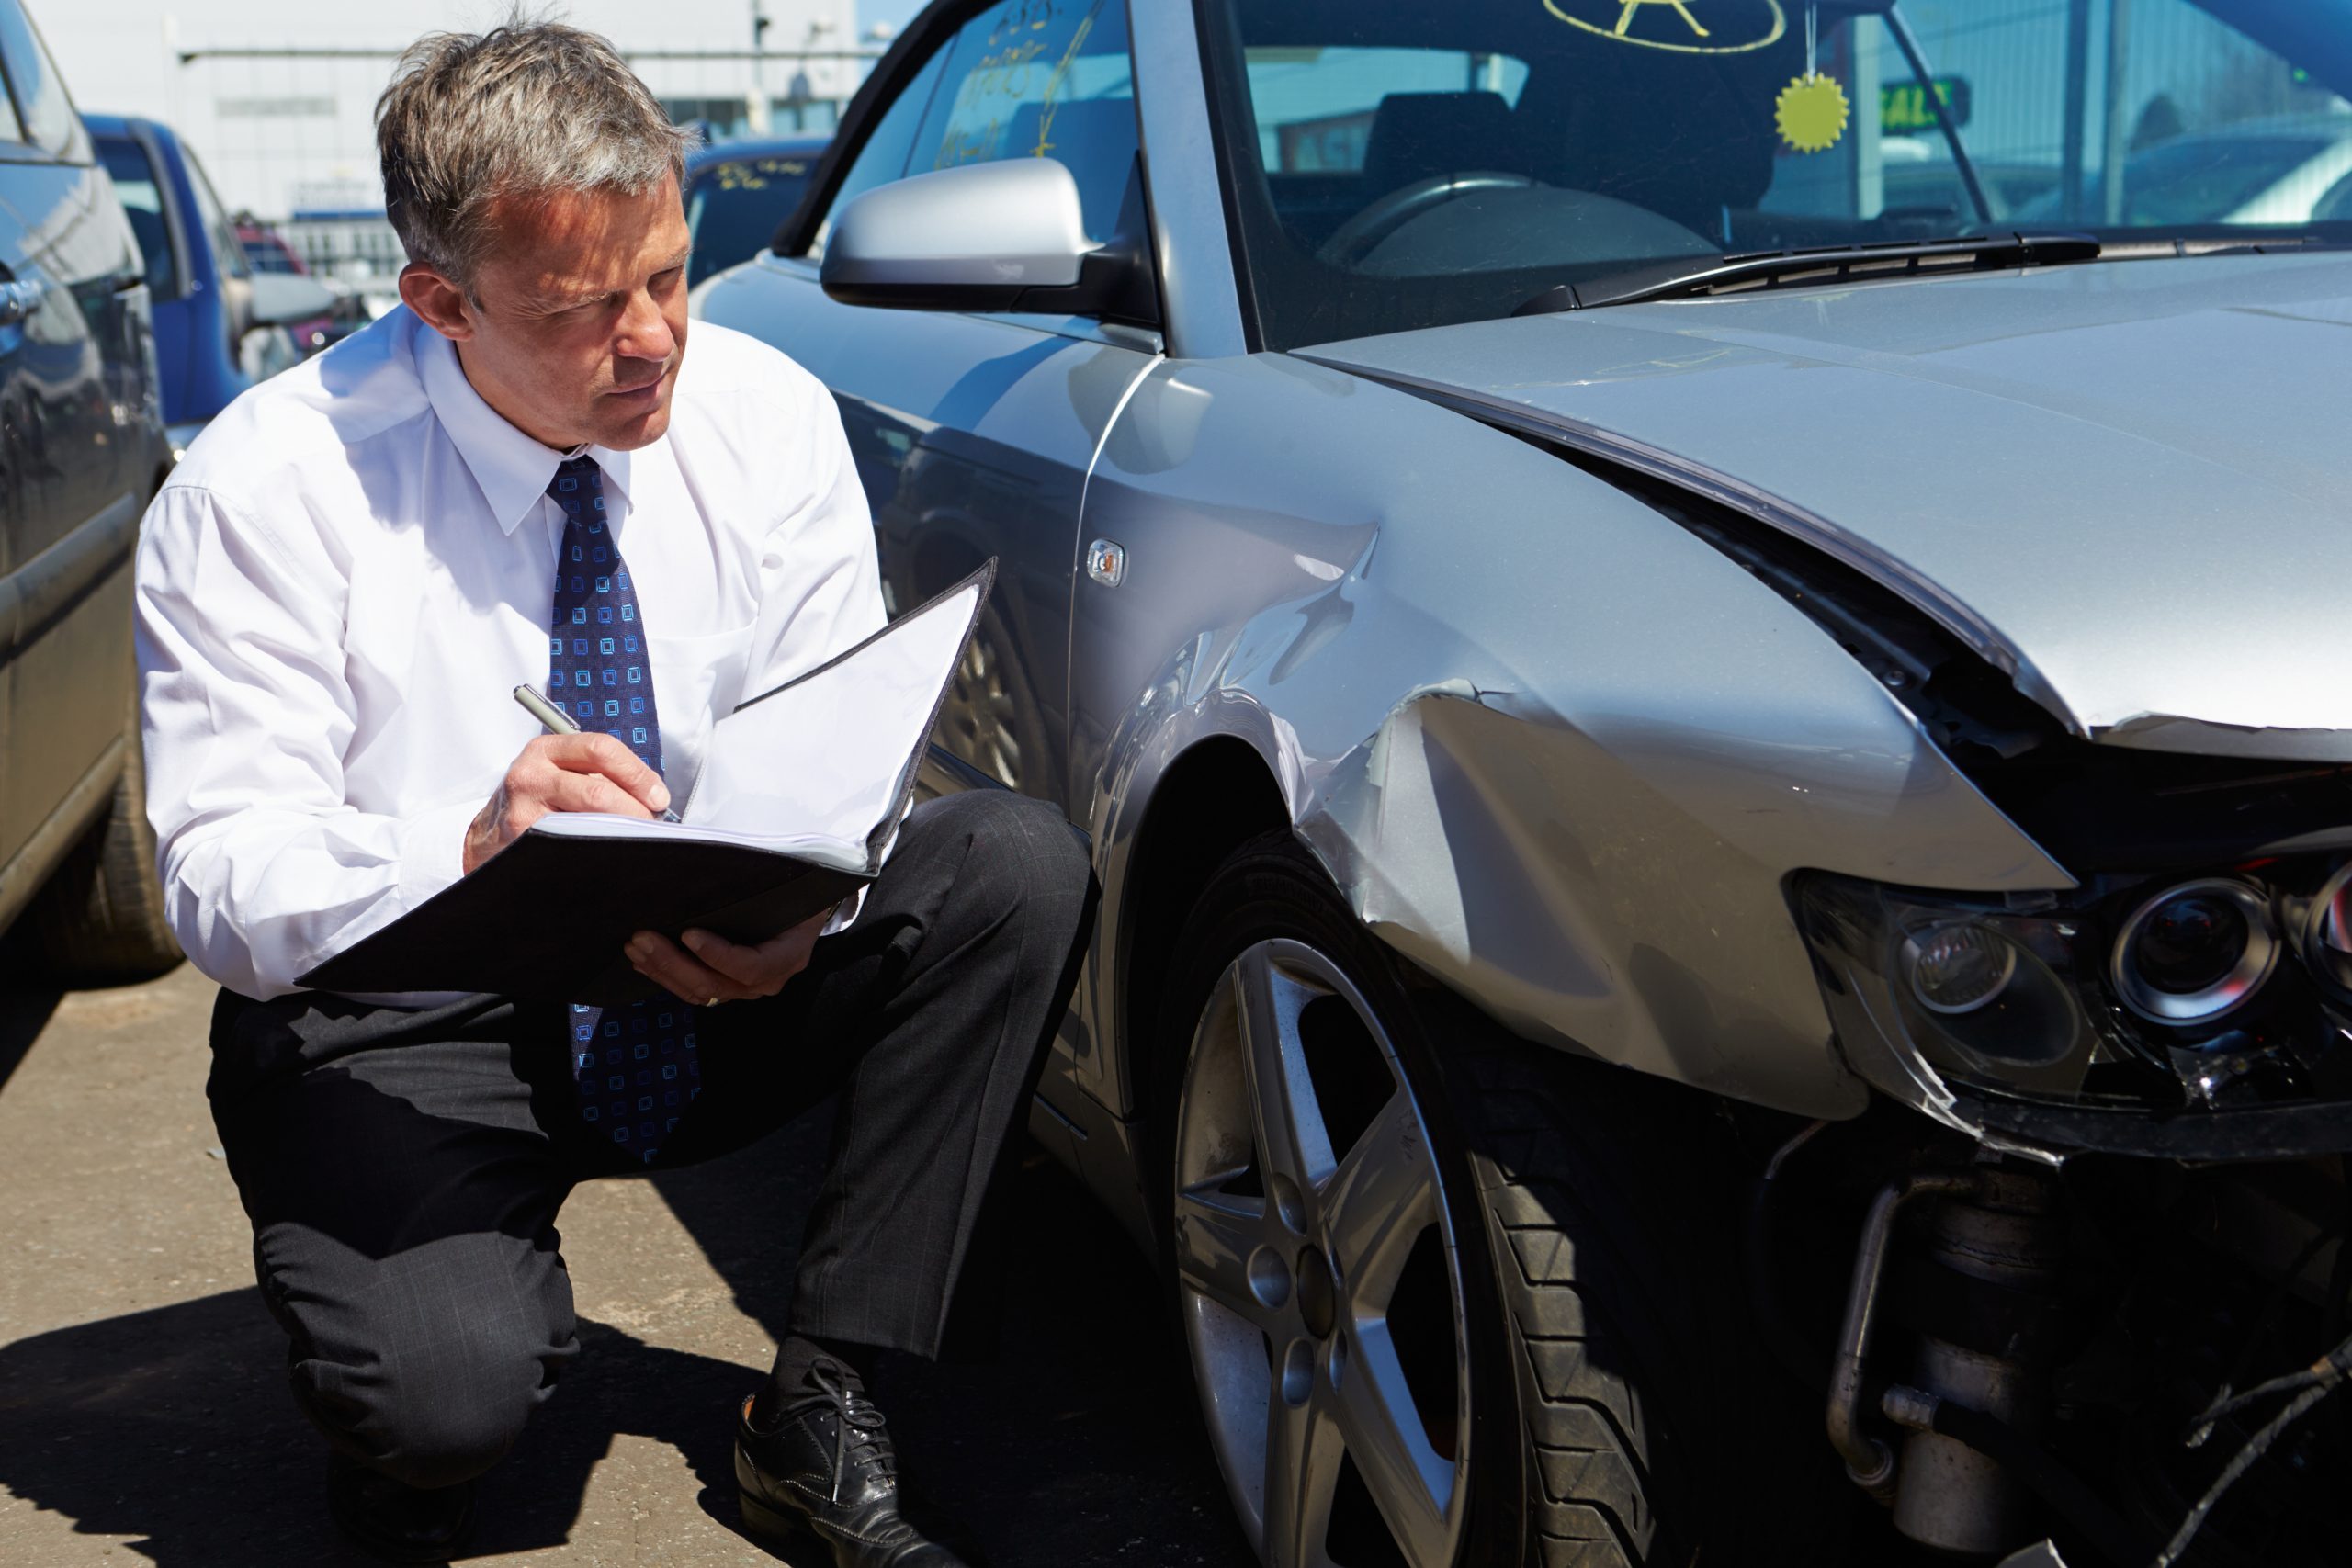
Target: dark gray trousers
column 403, row 1170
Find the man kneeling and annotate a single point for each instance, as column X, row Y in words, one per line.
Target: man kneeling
column 514, row 480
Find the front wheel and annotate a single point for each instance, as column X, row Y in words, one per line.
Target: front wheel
column 1450, row 1299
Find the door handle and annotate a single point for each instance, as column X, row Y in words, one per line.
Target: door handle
column 19, row 299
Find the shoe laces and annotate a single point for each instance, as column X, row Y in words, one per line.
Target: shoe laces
column 862, row 1440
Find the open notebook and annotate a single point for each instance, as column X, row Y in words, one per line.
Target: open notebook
column 800, row 794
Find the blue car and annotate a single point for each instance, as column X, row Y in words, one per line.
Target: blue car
column 220, row 325
column 738, row 192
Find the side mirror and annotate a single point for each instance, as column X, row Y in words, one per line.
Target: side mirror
column 1001, row 236
column 281, row 299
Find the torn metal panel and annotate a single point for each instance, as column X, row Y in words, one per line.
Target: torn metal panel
column 1554, row 750
column 1619, row 901
column 2166, row 732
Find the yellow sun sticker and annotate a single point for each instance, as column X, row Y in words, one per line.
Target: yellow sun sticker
column 1812, row 113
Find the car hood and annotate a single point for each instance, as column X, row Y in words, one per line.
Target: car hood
column 2129, row 484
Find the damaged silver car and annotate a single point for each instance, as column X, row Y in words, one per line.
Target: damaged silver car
column 1705, row 646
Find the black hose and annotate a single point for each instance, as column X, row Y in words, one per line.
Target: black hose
column 2042, row 1474
column 2318, row 1381
column 2256, row 1447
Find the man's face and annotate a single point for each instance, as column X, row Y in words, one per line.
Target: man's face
column 576, row 322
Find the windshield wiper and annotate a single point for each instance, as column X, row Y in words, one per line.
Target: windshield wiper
column 1812, row 265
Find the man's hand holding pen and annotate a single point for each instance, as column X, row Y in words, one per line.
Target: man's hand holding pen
column 563, row 773
column 566, row 770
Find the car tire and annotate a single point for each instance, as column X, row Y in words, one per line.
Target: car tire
column 1618, row 1414
column 99, row 921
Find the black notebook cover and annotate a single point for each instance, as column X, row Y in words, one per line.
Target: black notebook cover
column 545, row 919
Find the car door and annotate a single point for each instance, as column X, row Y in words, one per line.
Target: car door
column 974, row 433
column 72, row 413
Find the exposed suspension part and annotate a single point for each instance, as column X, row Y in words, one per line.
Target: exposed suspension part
column 1981, row 1306
column 1979, row 1298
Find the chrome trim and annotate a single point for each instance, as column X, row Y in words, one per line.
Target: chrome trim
column 20, row 298
column 37, row 592
column 1194, row 252
column 2329, row 964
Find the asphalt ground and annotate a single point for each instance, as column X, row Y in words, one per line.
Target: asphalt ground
column 143, row 1408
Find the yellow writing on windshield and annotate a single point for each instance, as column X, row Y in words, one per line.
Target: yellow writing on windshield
column 1634, row 8
column 1053, row 89
column 1680, row 27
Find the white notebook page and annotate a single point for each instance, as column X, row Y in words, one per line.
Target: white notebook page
column 812, row 769
column 824, row 756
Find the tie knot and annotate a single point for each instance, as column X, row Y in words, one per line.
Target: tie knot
column 577, row 480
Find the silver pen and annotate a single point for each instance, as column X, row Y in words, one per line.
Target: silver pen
column 557, row 722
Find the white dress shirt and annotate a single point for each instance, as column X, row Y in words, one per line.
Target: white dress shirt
column 340, row 587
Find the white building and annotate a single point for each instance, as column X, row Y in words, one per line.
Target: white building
column 277, row 96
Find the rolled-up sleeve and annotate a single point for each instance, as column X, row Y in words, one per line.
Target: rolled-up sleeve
column 246, row 716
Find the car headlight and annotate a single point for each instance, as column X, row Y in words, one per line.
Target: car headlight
column 2195, row 952
column 2326, row 934
column 1969, row 989
column 2136, row 992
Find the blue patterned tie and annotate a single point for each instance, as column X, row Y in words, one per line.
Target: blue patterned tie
column 636, row 1065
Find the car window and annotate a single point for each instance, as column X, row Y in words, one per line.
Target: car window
column 43, row 112
column 1394, row 167
column 227, row 251
column 266, row 252
column 887, row 147
column 1040, row 79
column 1316, row 107
column 134, row 183
column 735, row 206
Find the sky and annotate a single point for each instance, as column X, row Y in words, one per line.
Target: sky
column 895, row 12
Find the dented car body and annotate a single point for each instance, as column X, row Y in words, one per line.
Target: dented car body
column 1874, row 670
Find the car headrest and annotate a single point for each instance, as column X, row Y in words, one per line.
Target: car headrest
column 1415, row 135
column 1637, row 138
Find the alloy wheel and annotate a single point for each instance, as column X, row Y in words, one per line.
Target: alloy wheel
column 978, row 716
column 1318, row 1280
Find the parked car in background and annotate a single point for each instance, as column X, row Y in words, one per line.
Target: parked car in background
column 221, row 325
column 2282, row 169
column 266, row 251
column 1725, row 810
column 81, row 449
column 737, row 192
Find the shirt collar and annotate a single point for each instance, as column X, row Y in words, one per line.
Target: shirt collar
column 512, row 470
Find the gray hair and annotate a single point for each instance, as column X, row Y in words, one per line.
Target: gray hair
column 527, row 109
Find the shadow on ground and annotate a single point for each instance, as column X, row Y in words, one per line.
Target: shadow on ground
column 1063, row 1429
column 1077, row 1446
column 24, row 1013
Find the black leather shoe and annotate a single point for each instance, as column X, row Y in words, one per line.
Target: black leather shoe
column 395, row 1522
column 827, row 1470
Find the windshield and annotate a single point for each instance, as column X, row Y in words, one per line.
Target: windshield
column 734, row 207
column 1400, row 166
